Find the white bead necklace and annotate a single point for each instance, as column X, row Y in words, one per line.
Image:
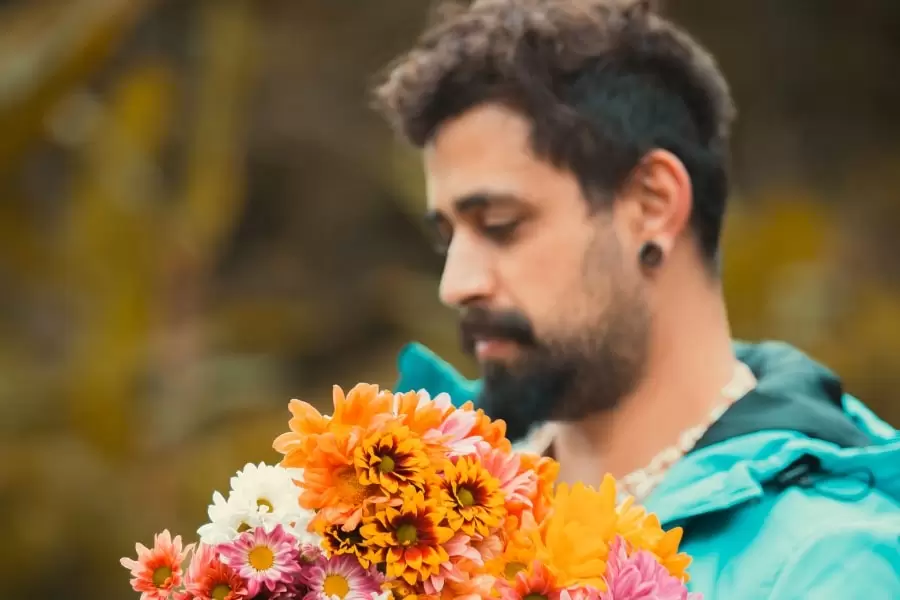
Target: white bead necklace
column 641, row 482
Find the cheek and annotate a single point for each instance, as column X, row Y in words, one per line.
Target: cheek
column 544, row 276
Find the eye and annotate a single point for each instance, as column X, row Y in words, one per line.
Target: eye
column 501, row 232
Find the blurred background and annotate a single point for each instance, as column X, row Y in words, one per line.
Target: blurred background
column 200, row 219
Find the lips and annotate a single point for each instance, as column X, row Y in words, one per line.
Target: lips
column 483, row 332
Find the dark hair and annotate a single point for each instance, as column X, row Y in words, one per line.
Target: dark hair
column 603, row 82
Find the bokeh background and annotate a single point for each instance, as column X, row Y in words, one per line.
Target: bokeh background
column 200, row 218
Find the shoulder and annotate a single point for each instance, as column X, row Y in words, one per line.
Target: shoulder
column 799, row 543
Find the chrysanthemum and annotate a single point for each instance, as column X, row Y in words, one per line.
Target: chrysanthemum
column 364, row 407
column 331, row 485
column 392, row 457
column 639, row 577
column 472, row 498
column 492, row 432
column 408, row 538
column 343, row 578
column 210, row 579
column 577, row 558
column 157, row 571
column 642, row 531
column 263, row 559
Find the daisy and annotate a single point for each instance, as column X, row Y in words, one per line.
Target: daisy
column 343, row 578
column 263, row 559
column 228, row 519
column 210, row 579
column 271, row 489
column 158, row 571
column 261, row 495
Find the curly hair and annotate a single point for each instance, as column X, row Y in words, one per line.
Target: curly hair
column 603, row 82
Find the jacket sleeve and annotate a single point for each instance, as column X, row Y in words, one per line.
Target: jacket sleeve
column 850, row 562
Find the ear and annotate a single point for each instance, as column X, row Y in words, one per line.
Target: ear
column 659, row 197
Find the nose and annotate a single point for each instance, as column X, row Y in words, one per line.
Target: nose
column 467, row 276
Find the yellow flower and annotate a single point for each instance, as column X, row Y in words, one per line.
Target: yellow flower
column 408, row 538
column 574, row 540
column 472, row 498
column 392, row 458
column 642, row 531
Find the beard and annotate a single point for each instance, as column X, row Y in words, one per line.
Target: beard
column 567, row 377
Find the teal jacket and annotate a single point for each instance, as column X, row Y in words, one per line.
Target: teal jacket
column 793, row 494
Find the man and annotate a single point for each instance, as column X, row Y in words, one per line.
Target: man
column 575, row 155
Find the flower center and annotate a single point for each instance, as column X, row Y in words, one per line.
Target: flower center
column 465, row 497
column 335, row 585
column 407, row 534
column 387, row 464
column 261, row 558
column 535, row 597
column 263, row 502
column 349, row 488
column 243, row 527
column 220, row 592
column 161, row 575
column 513, row 569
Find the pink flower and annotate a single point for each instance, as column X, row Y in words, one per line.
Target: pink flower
column 263, row 560
column 208, row 578
column 640, row 577
column 157, row 572
column 342, row 577
column 518, row 488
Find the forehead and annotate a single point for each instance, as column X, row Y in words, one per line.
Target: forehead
column 487, row 150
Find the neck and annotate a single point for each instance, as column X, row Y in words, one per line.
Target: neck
column 690, row 361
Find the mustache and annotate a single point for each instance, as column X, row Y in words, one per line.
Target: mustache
column 480, row 323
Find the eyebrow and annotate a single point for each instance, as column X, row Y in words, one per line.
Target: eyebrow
column 473, row 202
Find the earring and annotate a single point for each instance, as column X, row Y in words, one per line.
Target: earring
column 651, row 255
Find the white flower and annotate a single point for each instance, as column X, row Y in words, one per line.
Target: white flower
column 261, row 495
column 228, row 518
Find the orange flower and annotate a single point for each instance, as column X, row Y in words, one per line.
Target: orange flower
column 157, row 571
column 493, row 432
column 547, row 471
column 537, row 581
column 520, row 548
column 420, row 413
column 362, row 409
column 331, row 485
column 391, row 458
column 408, row 538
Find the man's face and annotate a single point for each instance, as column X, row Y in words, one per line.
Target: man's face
column 550, row 306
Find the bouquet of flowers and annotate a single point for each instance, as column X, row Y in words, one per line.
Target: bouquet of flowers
column 404, row 496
